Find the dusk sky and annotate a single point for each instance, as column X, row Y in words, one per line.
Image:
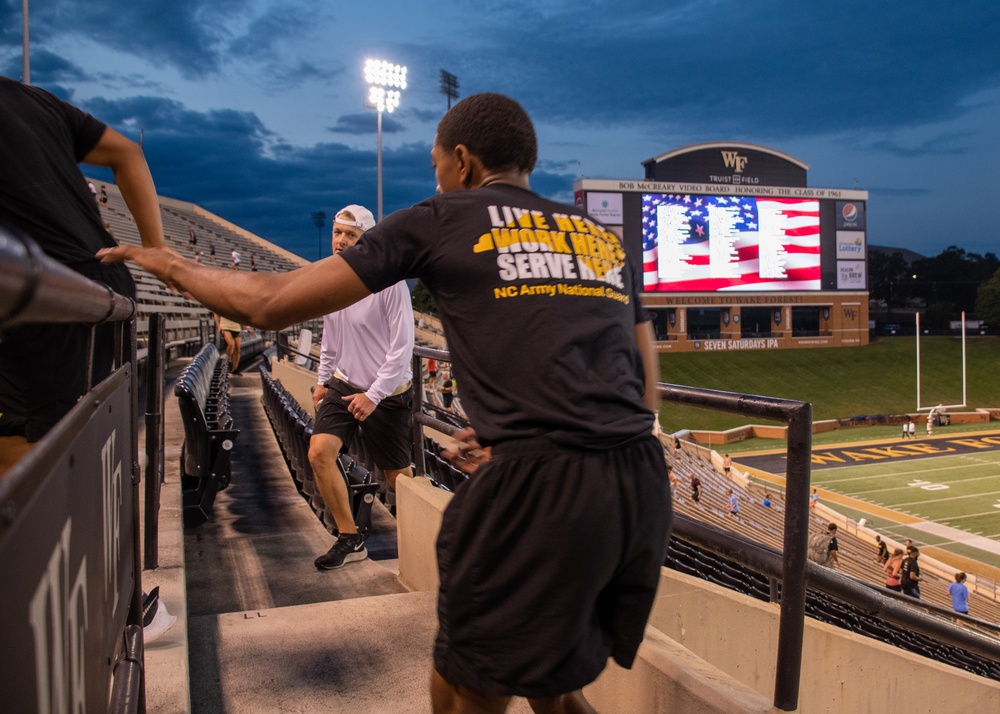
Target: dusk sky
column 254, row 109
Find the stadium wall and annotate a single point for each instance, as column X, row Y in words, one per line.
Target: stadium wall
column 841, row 671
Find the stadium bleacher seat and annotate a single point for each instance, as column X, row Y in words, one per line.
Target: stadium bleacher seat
column 202, row 398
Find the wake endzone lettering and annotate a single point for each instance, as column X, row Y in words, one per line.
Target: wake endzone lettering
column 531, row 245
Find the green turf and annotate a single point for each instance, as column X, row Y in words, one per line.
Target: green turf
column 879, row 378
column 961, row 491
column 868, row 433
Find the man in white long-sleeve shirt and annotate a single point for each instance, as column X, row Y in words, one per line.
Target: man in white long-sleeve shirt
column 363, row 392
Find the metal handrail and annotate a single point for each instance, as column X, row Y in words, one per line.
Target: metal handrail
column 36, row 288
column 798, row 416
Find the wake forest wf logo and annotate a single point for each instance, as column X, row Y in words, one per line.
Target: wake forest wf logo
column 58, row 612
column 732, row 160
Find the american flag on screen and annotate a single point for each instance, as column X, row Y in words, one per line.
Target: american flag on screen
column 730, row 243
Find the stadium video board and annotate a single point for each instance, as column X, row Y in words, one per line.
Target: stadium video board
column 709, row 238
column 698, row 243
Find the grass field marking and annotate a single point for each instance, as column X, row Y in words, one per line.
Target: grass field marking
column 954, row 498
column 887, row 475
column 900, row 473
column 972, row 515
column 884, row 490
column 905, row 474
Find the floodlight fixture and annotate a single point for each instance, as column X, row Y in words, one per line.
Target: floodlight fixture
column 385, row 82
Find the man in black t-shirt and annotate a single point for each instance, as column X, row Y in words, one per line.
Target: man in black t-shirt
column 882, row 556
column 549, row 556
column 44, row 195
column 447, row 391
column 833, row 547
column 909, row 574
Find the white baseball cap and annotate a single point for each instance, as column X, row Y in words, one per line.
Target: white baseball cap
column 363, row 218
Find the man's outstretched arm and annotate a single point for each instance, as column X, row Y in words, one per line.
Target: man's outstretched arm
column 269, row 300
column 650, row 364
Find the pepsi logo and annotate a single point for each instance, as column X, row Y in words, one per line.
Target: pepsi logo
column 850, row 212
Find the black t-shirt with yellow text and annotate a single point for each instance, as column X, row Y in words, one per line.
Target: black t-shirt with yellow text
column 539, row 306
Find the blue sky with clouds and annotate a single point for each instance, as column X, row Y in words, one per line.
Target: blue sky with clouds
column 254, row 108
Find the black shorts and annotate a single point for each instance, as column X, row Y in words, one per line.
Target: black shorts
column 385, row 435
column 549, row 560
column 43, row 366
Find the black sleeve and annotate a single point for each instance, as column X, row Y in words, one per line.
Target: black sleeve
column 395, row 249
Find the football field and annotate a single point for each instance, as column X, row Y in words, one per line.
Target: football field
column 941, row 492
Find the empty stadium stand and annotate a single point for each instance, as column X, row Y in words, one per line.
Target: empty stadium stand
column 188, row 324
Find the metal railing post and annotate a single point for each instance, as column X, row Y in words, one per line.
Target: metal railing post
column 791, row 626
column 798, row 416
column 154, row 437
column 419, row 458
column 130, row 334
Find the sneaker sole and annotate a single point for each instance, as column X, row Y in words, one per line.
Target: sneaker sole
column 349, row 558
column 162, row 622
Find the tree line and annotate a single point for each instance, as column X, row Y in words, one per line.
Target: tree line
column 941, row 287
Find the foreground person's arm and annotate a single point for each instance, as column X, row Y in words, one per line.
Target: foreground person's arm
column 651, row 365
column 268, row 300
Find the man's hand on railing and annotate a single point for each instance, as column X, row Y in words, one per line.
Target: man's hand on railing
column 467, row 453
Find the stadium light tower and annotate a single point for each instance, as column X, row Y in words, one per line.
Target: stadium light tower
column 449, row 86
column 385, row 82
column 319, row 220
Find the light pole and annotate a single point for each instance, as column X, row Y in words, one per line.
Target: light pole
column 449, row 86
column 319, row 220
column 385, row 82
column 25, row 45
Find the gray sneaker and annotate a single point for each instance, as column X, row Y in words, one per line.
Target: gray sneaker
column 349, row 548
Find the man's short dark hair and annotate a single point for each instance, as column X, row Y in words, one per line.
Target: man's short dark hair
column 832, row 527
column 494, row 128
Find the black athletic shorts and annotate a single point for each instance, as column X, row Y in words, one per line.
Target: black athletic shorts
column 385, row 435
column 549, row 560
column 43, row 367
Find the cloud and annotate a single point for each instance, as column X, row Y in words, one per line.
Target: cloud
column 57, row 70
column 230, row 163
column 943, row 145
column 186, row 34
column 365, row 123
column 195, row 37
column 866, row 86
column 898, row 192
column 767, row 69
column 421, row 115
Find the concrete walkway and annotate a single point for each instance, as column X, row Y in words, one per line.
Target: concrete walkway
column 259, row 628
